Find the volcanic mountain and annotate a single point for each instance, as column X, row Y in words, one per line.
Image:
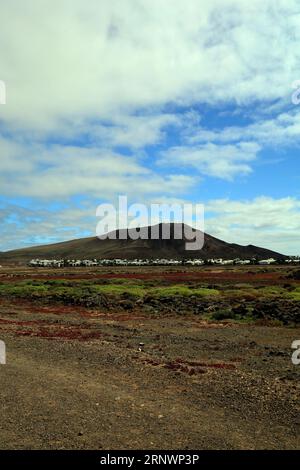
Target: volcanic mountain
column 121, row 245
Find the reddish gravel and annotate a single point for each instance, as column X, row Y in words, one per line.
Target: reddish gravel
column 223, row 276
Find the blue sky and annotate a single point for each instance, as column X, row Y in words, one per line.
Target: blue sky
column 162, row 101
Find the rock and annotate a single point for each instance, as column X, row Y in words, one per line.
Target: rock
column 126, row 304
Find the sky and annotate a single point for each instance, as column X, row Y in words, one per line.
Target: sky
column 162, row 101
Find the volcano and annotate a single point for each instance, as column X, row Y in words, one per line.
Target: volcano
column 119, row 244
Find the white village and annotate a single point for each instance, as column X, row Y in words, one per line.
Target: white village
column 60, row 263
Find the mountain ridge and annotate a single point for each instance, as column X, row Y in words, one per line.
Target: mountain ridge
column 93, row 247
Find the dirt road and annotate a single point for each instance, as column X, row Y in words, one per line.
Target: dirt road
column 76, row 379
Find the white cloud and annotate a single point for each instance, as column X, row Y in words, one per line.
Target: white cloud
column 84, row 78
column 282, row 130
column 76, row 69
column 134, row 131
column 263, row 221
column 21, row 227
column 222, row 161
column 72, row 59
column 59, row 171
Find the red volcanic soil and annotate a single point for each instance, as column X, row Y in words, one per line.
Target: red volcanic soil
column 31, row 308
column 89, row 379
column 65, row 333
column 223, row 276
column 26, row 307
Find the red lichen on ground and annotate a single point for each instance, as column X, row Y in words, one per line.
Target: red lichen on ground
column 186, row 366
column 61, row 333
column 23, row 323
column 50, row 330
column 214, row 275
column 27, row 306
column 57, row 309
column 214, row 365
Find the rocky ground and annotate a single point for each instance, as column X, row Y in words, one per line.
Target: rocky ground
column 96, row 378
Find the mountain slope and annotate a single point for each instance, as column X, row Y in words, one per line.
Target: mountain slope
column 92, row 247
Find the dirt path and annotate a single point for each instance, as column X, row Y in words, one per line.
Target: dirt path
column 193, row 385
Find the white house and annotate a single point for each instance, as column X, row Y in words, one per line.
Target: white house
column 267, row 261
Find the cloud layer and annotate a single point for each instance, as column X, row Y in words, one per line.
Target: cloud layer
column 66, row 60
column 148, row 98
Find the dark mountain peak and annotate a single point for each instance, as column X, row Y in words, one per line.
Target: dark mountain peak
column 125, row 243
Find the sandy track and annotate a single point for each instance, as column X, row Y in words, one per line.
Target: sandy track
column 68, row 393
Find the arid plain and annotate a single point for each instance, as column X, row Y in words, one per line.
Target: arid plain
column 128, row 358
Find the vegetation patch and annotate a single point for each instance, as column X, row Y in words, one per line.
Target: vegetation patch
column 182, row 291
column 64, row 290
column 215, row 301
column 295, row 294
